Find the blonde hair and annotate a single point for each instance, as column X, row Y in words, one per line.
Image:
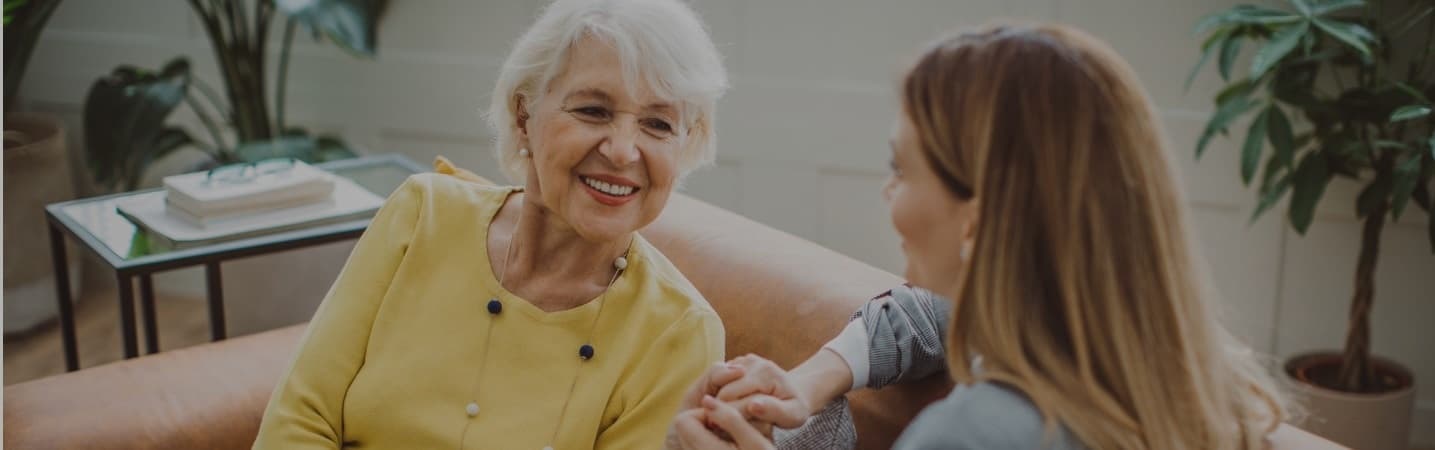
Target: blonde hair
column 660, row 43
column 1083, row 290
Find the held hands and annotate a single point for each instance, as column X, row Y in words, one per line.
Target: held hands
column 735, row 405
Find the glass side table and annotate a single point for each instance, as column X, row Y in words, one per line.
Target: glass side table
column 96, row 224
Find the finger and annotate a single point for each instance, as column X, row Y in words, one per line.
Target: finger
column 763, row 428
column 720, row 375
column 693, row 434
column 789, row 414
column 732, row 421
column 714, row 378
column 761, row 377
column 750, row 361
column 750, row 384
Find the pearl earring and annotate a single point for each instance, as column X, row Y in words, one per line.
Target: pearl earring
column 524, row 152
column 966, row 251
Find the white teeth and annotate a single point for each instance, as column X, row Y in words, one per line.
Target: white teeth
column 608, row 188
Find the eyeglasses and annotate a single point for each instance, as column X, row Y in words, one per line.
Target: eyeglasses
column 250, row 171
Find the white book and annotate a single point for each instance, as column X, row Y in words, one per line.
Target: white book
column 200, row 197
column 349, row 201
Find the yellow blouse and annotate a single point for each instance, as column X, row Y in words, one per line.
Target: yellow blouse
column 395, row 354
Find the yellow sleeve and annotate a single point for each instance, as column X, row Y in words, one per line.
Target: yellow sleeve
column 675, row 361
column 306, row 410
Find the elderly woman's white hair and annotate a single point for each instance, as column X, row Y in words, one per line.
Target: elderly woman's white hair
column 661, row 43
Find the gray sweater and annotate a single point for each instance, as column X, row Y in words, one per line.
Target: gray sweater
column 905, row 329
column 983, row 416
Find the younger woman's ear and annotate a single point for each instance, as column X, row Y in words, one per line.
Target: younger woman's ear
column 970, row 233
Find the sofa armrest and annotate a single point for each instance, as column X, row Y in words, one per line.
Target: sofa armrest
column 209, row 396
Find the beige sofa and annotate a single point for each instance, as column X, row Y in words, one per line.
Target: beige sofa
column 779, row 296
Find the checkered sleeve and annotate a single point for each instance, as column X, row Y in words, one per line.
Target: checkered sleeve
column 829, row 429
column 905, row 329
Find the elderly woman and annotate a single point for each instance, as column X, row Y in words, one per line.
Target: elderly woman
column 529, row 317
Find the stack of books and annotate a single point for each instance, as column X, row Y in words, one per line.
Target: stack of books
column 203, row 208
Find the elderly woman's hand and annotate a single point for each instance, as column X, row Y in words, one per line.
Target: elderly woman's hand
column 767, row 393
column 718, row 375
column 717, row 425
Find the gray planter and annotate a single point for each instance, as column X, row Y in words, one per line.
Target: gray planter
column 37, row 173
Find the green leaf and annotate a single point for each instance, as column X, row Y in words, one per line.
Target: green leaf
column 297, row 144
column 1409, row 112
column 1421, row 195
column 1230, row 48
column 1255, row 142
column 1351, row 34
column 332, row 148
column 139, row 243
column 124, row 120
column 1373, row 195
column 1303, row 6
column 1240, row 89
column 1409, row 22
column 1414, row 93
column 1226, row 113
column 1244, row 15
column 1405, row 176
column 1279, row 46
column 1272, row 189
column 1309, row 182
column 1205, row 55
column 353, row 24
column 1336, row 5
column 168, row 140
column 24, row 21
column 299, row 147
column 1207, row 49
column 1282, row 139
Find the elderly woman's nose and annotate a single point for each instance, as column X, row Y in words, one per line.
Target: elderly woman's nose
column 621, row 147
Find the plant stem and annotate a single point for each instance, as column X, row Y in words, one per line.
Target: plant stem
column 282, row 77
column 1429, row 33
column 1335, row 74
column 213, row 27
column 213, row 97
column 238, row 32
column 263, row 15
column 1356, row 372
column 208, row 122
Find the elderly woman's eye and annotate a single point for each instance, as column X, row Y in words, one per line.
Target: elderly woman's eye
column 659, row 125
column 592, row 112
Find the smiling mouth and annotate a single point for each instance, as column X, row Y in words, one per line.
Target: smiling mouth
column 616, row 190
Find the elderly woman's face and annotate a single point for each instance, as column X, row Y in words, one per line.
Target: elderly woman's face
column 603, row 157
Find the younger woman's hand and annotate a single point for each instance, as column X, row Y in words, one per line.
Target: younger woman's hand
column 766, row 393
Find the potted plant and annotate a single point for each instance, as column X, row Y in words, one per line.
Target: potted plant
column 37, row 173
column 239, row 125
column 1358, row 82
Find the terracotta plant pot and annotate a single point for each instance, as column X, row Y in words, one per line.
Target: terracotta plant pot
column 1366, row 421
column 37, row 173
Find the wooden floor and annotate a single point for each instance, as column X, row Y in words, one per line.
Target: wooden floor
column 182, row 322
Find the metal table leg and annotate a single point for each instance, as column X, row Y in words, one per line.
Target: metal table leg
column 62, row 292
column 147, row 314
column 127, row 315
column 216, row 301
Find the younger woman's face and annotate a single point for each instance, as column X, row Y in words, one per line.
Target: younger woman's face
column 933, row 222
